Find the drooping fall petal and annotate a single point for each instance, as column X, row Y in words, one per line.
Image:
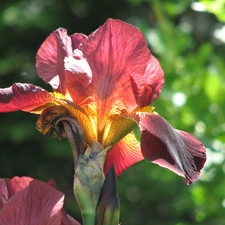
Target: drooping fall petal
column 124, row 154
column 24, row 97
column 176, row 150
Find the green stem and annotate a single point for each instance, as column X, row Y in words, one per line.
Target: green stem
column 88, row 217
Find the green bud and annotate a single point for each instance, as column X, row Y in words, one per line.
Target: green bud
column 108, row 209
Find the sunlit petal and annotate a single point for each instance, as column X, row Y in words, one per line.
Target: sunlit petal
column 124, row 154
column 50, row 58
column 24, row 97
column 63, row 66
column 118, row 126
column 115, row 52
column 173, row 149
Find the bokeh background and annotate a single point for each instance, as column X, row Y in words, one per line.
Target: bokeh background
column 188, row 39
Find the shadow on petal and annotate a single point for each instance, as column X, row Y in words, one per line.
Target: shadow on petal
column 176, row 150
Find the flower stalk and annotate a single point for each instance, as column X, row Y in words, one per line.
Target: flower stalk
column 88, row 181
column 89, row 174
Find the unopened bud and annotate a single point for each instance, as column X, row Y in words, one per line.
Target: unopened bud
column 108, row 209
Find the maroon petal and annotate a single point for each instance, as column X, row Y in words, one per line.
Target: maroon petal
column 38, row 203
column 24, row 97
column 173, row 149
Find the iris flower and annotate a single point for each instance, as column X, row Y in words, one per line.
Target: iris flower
column 24, row 200
column 107, row 81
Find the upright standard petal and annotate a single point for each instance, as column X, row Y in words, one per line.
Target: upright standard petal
column 50, row 58
column 118, row 55
column 148, row 87
column 173, row 149
column 24, row 97
column 115, row 52
column 124, row 154
column 62, row 65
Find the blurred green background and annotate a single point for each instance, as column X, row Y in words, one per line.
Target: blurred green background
column 188, row 39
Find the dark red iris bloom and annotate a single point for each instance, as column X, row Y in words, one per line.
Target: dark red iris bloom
column 24, row 200
column 107, row 81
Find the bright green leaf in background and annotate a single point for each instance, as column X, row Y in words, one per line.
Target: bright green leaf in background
column 215, row 88
column 213, row 6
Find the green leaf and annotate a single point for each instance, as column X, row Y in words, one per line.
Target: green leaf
column 213, row 88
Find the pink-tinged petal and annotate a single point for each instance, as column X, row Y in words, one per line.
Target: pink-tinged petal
column 176, row 150
column 68, row 220
column 50, row 57
column 37, row 203
column 78, row 39
column 124, row 154
column 61, row 65
column 148, row 87
column 24, row 97
column 16, row 184
column 115, row 52
column 4, row 195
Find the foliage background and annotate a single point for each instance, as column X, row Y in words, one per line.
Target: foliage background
column 188, row 39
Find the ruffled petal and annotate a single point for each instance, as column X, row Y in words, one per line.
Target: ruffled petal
column 173, row 149
column 124, row 154
column 24, row 97
column 38, row 203
column 60, row 64
column 50, row 58
column 14, row 185
column 148, row 87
